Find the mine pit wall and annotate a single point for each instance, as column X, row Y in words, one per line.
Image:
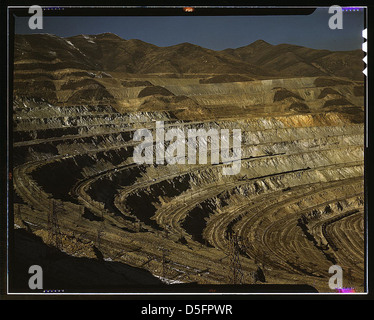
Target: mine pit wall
column 69, row 171
column 253, row 151
column 292, row 152
column 272, row 134
column 85, row 122
column 259, row 92
column 259, row 95
column 265, row 167
column 334, row 195
column 251, row 87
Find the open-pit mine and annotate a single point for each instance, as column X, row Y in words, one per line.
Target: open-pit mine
column 294, row 209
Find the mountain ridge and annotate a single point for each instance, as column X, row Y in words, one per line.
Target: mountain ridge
column 109, row 52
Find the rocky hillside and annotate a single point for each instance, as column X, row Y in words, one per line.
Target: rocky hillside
column 292, row 60
column 109, row 52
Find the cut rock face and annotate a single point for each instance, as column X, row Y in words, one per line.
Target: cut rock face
column 295, row 208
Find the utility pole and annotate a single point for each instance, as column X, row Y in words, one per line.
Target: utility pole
column 165, row 252
column 54, row 233
column 236, row 273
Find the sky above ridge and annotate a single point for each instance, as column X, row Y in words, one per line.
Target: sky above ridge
column 214, row 32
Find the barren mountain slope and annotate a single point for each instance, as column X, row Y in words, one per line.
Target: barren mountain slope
column 108, row 52
column 292, row 60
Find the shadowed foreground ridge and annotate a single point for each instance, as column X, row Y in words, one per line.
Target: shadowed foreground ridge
column 295, row 208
